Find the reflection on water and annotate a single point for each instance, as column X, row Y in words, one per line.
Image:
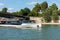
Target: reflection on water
column 47, row 32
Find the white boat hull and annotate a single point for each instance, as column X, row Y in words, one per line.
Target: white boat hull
column 24, row 25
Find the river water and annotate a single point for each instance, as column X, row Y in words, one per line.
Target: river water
column 47, row 32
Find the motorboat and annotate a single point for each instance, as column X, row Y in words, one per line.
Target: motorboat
column 21, row 24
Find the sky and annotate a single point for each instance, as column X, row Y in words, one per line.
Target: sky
column 16, row 5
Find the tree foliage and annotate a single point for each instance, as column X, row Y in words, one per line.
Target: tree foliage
column 32, row 13
column 24, row 11
column 53, row 7
column 36, row 9
column 54, row 15
column 44, row 6
column 46, row 16
column 58, row 12
column 4, row 10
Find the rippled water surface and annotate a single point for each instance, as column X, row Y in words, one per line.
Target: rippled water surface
column 47, row 32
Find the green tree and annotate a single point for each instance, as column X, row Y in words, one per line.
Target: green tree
column 53, row 11
column 37, row 8
column 24, row 11
column 44, row 6
column 21, row 12
column 15, row 13
column 58, row 12
column 4, row 10
column 53, row 7
column 46, row 16
column 54, row 16
column 32, row 13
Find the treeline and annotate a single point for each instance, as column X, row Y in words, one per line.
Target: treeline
column 39, row 10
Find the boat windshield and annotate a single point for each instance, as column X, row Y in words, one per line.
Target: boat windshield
column 25, row 21
column 12, row 22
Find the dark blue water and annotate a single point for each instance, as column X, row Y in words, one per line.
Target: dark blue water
column 47, row 32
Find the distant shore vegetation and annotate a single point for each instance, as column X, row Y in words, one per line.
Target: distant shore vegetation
column 39, row 10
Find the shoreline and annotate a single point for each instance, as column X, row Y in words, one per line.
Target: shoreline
column 50, row 23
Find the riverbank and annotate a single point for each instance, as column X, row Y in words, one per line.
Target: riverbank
column 50, row 23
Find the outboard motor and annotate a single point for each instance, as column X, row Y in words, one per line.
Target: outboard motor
column 37, row 26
